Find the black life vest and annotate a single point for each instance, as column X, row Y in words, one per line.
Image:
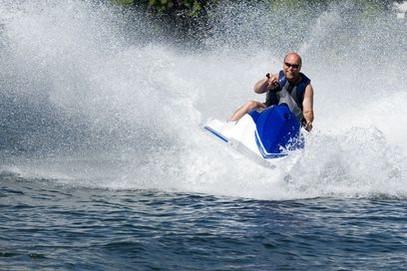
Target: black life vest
column 296, row 92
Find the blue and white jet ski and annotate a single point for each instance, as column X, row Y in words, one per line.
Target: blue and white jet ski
column 263, row 136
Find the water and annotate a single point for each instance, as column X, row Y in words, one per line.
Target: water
column 105, row 166
column 46, row 226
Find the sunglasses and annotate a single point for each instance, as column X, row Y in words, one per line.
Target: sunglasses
column 294, row 66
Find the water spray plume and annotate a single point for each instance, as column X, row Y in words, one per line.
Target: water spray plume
column 92, row 95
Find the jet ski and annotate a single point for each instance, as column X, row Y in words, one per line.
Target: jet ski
column 263, row 136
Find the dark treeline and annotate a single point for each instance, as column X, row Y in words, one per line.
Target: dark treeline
column 186, row 20
column 193, row 8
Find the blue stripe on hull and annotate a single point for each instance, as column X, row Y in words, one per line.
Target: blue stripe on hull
column 216, row 133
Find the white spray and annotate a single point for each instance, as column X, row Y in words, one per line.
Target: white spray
column 84, row 104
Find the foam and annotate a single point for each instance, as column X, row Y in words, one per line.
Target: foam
column 91, row 101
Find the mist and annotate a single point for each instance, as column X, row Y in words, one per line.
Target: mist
column 93, row 95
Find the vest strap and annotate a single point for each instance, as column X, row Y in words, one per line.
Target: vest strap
column 286, row 97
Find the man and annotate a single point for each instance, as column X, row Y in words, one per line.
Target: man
column 289, row 86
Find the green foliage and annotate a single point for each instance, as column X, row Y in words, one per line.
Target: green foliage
column 125, row 3
column 187, row 7
column 194, row 7
column 188, row 19
column 191, row 8
column 277, row 4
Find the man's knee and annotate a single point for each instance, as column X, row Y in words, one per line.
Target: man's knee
column 250, row 105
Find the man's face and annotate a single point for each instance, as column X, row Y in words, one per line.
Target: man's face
column 291, row 67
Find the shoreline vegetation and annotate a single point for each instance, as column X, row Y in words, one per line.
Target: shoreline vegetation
column 198, row 8
column 186, row 21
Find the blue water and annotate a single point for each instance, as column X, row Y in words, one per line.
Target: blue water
column 48, row 226
column 104, row 164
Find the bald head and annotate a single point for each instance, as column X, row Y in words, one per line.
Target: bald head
column 293, row 57
column 291, row 67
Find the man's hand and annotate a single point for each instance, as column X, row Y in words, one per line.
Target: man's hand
column 272, row 82
column 308, row 119
column 308, row 126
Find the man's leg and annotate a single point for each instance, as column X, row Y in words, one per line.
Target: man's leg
column 247, row 107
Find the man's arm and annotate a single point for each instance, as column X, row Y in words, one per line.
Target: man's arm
column 307, row 105
column 265, row 84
